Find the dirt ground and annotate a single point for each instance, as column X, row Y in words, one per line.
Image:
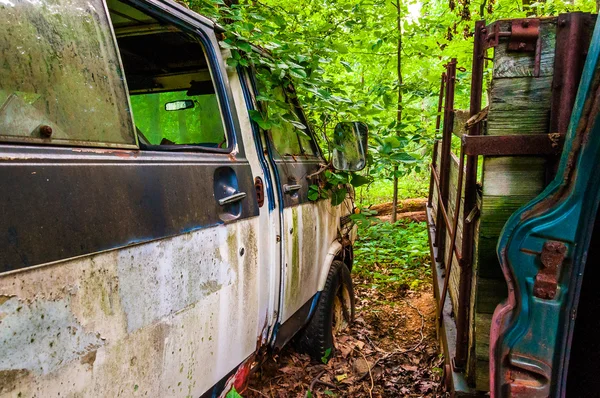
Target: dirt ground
column 390, row 351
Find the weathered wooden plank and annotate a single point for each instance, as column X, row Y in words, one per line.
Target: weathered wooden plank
column 490, row 292
column 519, row 106
column 460, row 119
column 510, row 176
column 514, row 64
column 482, row 329
column 482, row 375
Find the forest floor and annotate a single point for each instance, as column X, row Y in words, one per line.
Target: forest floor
column 391, row 350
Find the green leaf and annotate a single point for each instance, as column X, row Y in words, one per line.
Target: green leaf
column 325, row 358
column 402, row 157
column 346, row 65
column 244, row 46
column 338, row 196
column 233, row 394
column 358, row 180
column 258, row 118
column 298, row 73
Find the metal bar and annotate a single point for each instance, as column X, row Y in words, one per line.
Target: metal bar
column 461, row 168
column 433, row 163
column 464, row 295
column 438, row 118
column 444, row 213
column 445, row 156
column 441, row 206
column 572, row 41
column 513, row 145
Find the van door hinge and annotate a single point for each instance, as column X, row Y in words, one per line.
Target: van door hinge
column 546, row 280
column 524, row 36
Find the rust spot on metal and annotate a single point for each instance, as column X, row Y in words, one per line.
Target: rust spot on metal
column 546, row 281
column 231, row 157
column 45, row 131
column 524, row 34
column 513, row 145
column 89, row 358
column 9, row 378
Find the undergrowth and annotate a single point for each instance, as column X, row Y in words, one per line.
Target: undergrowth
column 392, row 255
column 414, row 185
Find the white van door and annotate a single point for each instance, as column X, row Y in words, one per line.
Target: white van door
column 132, row 257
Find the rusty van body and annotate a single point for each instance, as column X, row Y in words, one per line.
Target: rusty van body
column 513, row 213
column 152, row 256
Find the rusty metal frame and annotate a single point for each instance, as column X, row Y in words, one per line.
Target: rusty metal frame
column 513, row 145
column 444, row 175
column 437, row 129
column 470, row 203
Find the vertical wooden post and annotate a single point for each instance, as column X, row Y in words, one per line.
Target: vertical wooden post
column 466, row 263
column 444, row 166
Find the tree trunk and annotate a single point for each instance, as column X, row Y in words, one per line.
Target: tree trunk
column 399, row 111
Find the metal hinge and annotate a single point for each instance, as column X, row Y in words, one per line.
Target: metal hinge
column 524, row 36
column 546, row 280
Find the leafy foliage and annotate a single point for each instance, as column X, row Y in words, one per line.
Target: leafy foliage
column 342, row 58
column 394, row 254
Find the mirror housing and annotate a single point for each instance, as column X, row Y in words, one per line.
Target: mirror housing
column 350, row 146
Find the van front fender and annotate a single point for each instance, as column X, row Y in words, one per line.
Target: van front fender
column 335, row 249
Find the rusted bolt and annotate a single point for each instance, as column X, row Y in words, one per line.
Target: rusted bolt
column 291, row 231
column 546, row 280
column 525, row 24
column 562, row 23
column 278, row 239
column 45, row 131
column 553, row 254
column 242, row 251
column 522, row 45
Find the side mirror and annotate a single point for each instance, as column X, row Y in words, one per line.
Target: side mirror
column 350, row 146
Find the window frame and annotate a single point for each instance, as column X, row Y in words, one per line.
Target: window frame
column 195, row 28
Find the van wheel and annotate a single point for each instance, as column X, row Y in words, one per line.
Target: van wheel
column 334, row 313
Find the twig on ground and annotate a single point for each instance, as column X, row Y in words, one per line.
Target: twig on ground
column 370, row 375
column 318, row 380
column 258, row 392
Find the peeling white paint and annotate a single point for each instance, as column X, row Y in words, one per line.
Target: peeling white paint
column 163, row 277
column 42, row 336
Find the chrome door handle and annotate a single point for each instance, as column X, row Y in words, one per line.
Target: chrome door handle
column 287, row 188
column 236, row 197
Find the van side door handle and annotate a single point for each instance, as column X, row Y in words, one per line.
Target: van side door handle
column 290, row 188
column 236, row 197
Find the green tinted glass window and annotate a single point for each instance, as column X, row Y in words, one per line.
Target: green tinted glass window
column 175, row 118
column 289, row 136
column 60, row 77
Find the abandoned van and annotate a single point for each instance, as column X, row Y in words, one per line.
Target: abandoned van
column 153, row 240
column 512, row 212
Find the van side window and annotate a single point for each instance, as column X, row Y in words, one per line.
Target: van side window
column 60, row 76
column 287, row 137
column 172, row 94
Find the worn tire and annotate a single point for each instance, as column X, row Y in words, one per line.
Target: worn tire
column 318, row 336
